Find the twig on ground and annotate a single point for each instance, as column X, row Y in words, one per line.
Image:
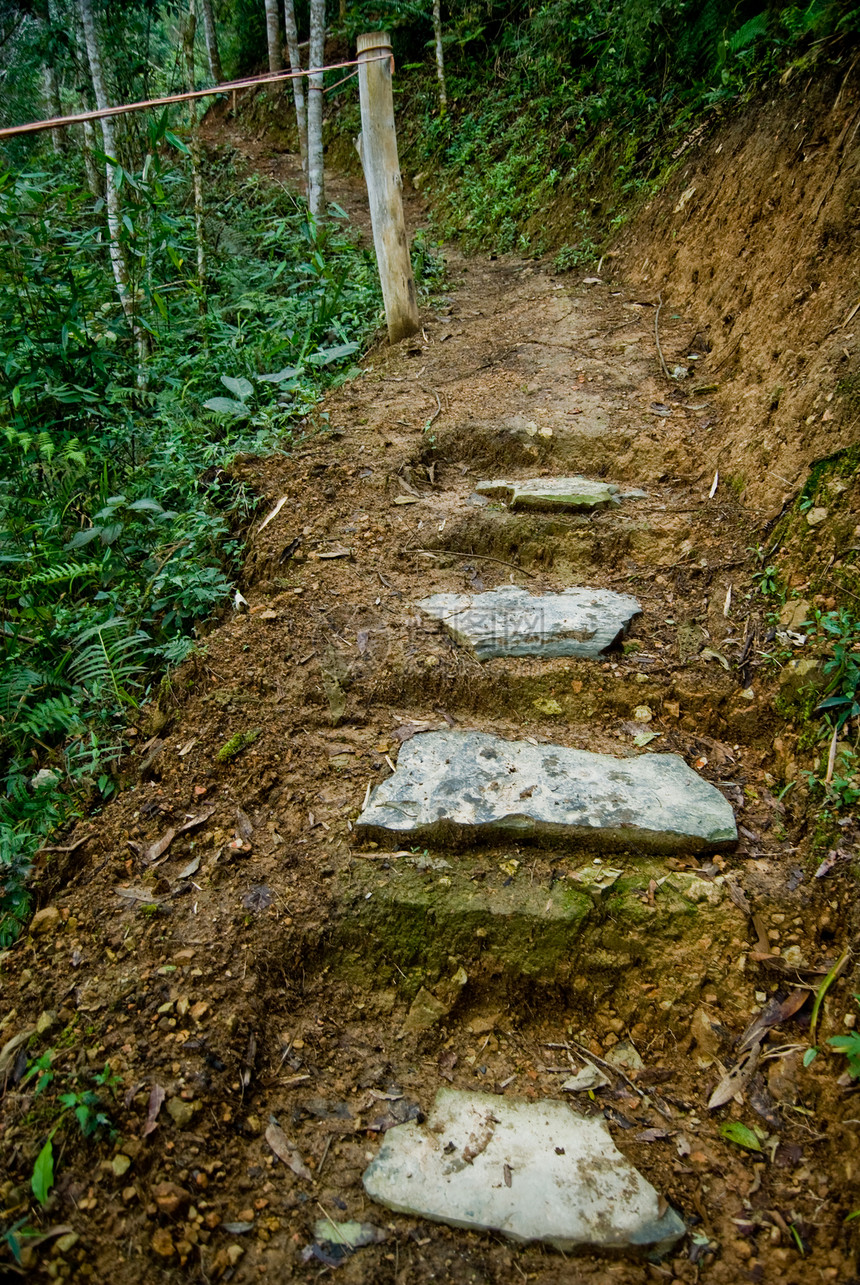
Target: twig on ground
column 431, row 392
column 482, row 557
column 611, row 1069
column 324, row 1157
column 657, row 336
column 70, row 847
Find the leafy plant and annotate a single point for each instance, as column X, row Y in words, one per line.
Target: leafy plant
column 842, row 670
column 849, row 1044
column 42, row 1178
column 103, row 584
column 85, row 1105
column 12, row 1236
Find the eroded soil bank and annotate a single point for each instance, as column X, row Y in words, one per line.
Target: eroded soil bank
column 265, row 963
column 754, row 240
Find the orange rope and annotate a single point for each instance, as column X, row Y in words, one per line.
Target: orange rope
column 58, row 122
column 344, row 79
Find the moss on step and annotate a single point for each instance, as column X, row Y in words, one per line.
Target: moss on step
column 817, row 536
column 236, row 744
column 644, row 934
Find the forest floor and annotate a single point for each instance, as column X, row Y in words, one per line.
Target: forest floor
column 220, row 938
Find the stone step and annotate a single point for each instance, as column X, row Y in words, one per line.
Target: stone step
column 474, row 785
column 510, row 621
column 534, row 1171
column 556, row 494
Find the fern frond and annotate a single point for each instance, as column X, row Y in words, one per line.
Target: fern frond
column 60, row 573
column 748, row 33
column 15, row 687
column 109, row 655
column 47, row 719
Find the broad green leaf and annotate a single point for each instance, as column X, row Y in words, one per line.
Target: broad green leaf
column 43, row 1172
column 80, row 538
column 177, row 142
column 226, row 406
column 241, row 387
column 809, row 1056
column 146, row 506
column 281, row 376
column 325, row 356
column 742, row 1136
column 110, row 533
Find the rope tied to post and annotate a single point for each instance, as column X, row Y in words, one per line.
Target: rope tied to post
column 248, row 82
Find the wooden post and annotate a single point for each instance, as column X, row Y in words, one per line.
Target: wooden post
column 378, row 151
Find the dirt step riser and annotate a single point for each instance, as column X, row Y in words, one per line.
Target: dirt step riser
column 620, row 453
column 567, row 546
column 544, row 696
column 516, row 939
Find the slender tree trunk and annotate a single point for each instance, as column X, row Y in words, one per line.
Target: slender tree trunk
column 112, row 200
column 190, row 29
column 298, row 83
column 109, row 140
column 211, row 35
column 316, row 56
column 51, row 84
column 440, row 60
column 53, row 106
column 95, row 178
column 273, row 35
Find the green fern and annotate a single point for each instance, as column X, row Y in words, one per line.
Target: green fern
column 15, row 686
column 60, row 573
column 58, row 715
column 109, row 655
column 748, row 34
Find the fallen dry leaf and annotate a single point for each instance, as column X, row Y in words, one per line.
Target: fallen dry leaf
column 156, row 1100
column 777, row 1011
column 283, row 1149
column 736, row 1080
column 243, row 824
column 161, row 845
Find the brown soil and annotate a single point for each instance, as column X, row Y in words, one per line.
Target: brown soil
column 754, row 241
column 246, row 987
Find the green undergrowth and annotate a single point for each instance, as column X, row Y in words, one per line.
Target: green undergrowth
column 819, row 655
column 120, row 522
column 563, row 116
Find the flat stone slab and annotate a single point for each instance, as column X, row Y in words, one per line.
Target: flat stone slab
column 510, row 621
column 474, row 784
column 534, row 1171
column 553, row 493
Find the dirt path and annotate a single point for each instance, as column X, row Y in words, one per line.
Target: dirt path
column 265, row 963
